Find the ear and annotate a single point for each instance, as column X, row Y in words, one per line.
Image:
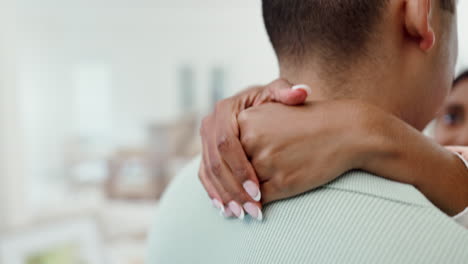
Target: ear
column 417, row 23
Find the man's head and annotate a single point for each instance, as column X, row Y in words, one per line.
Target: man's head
column 329, row 29
column 354, row 42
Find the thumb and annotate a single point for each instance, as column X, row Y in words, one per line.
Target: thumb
column 459, row 149
column 282, row 91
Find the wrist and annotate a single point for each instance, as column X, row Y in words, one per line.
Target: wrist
column 361, row 142
column 379, row 145
column 447, row 185
column 390, row 148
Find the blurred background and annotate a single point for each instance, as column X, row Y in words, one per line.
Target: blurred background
column 100, row 102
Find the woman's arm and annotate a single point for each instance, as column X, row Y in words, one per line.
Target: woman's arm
column 403, row 154
column 302, row 148
column 296, row 149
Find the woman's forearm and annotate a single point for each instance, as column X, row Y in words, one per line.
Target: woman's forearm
column 403, row 154
column 448, row 187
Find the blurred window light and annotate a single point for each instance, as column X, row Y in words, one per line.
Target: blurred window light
column 187, row 88
column 218, row 80
column 93, row 100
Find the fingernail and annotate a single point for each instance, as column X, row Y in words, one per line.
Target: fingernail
column 227, row 213
column 252, row 189
column 218, row 205
column 303, row 87
column 254, row 211
column 237, row 210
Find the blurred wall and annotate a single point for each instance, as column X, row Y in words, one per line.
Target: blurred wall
column 10, row 136
column 122, row 58
column 142, row 47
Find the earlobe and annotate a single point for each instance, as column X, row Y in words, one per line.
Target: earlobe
column 417, row 23
column 428, row 41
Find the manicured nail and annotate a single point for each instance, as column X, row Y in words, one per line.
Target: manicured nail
column 303, row 87
column 252, row 189
column 254, row 211
column 237, row 210
column 227, row 213
column 218, row 205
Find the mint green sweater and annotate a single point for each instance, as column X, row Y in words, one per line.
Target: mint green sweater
column 359, row 218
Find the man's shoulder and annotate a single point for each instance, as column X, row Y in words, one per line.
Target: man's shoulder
column 357, row 213
column 368, row 184
column 185, row 186
column 355, row 182
column 358, row 185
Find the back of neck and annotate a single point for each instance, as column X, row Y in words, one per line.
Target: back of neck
column 371, row 85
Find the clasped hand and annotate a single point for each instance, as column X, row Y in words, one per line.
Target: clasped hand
column 267, row 144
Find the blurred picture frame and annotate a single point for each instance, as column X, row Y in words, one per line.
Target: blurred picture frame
column 67, row 242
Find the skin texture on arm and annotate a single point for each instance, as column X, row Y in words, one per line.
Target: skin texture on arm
column 305, row 147
column 296, row 149
column 301, row 148
column 410, row 157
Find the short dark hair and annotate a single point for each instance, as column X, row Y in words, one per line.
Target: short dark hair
column 335, row 29
column 449, row 5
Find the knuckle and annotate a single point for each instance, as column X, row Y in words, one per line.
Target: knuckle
column 265, row 157
column 277, row 84
column 255, row 87
column 241, row 173
column 216, row 169
column 282, row 82
column 247, row 138
column 238, row 195
column 250, row 138
column 281, row 185
column 225, row 197
column 276, row 185
column 242, row 117
column 223, row 143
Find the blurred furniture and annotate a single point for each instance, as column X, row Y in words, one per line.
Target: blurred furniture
column 143, row 174
column 133, row 176
column 176, row 141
